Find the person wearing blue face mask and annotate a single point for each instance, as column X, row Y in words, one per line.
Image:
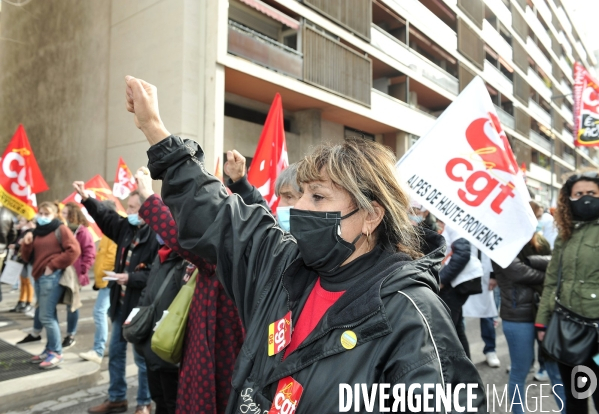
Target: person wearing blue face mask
column 50, row 249
column 137, row 248
column 286, row 188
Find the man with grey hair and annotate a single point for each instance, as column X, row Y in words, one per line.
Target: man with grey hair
column 286, row 188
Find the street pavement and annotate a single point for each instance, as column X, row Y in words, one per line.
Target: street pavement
column 77, row 401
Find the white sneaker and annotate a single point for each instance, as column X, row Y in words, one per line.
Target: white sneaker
column 492, row 360
column 91, row 356
column 31, row 313
column 541, row 376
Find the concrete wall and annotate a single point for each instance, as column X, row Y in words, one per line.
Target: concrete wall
column 53, row 79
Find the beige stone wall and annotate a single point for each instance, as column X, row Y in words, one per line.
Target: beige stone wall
column 53, row 79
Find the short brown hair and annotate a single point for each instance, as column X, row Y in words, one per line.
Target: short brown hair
column 75, row 215
column 366, row 170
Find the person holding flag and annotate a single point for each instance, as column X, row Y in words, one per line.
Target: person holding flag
column 352, row 278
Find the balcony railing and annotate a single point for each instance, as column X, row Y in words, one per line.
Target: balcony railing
column 563, row 19
column 539, row 85
column 333, row 66
column 494, row 75
column 500, row 10
column 400, row 52
column 427, row 22
column 569, row 114
column 538, row 56
column 538, row 28
column 564, row 65
column 253, row 46
column 569, row 158
column 567, row 136
column 580, row 49
column 496, row 41
column 505, row 119
column 540, row 140
column 543, row 9
column 539, row 113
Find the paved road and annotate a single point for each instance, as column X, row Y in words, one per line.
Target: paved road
column 79, row 401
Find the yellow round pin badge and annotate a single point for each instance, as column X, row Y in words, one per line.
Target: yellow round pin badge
column 349, row 340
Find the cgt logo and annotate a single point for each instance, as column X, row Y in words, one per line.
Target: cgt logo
column 583, row 382
column 287, row 397
column 496, row 154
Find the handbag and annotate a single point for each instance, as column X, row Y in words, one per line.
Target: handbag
column 167, row 341
column 570, row 338
column 138, row 325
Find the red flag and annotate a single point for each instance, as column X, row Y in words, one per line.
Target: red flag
column 586, row 108
column 124, row 181
column 99, row 189
column 271, row 154
column 20, row 178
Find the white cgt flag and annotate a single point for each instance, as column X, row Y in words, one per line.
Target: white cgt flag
column 464, row 172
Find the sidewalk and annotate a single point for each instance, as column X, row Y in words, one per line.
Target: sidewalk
column 73, row 374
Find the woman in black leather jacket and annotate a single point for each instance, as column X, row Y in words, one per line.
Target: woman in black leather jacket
column 520, row 284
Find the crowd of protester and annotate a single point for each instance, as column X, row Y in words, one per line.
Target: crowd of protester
column 345, row 256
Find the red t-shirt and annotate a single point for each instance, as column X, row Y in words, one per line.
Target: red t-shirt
column 318, row 303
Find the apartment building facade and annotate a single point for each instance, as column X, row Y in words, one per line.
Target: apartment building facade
column 381, row 68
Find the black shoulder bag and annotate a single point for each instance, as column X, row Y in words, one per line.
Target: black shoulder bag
column 570, row 338
column 140, row 326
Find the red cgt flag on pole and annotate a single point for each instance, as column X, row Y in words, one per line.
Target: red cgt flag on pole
column 20, row 177
column 271, row 154
column 99, row 189
column 586, row 108
column 124, row 181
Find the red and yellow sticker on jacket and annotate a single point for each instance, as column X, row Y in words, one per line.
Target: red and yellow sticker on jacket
column 287, row 397
column 279, row 335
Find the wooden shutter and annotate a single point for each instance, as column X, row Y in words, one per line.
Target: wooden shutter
column 470, row 44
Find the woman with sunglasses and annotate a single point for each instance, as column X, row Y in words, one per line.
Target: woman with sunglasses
column 573, row 274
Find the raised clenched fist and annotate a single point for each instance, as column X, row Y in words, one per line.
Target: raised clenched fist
column 235, row 165
column 142, row 101
column 144, row 183
column 79, row 187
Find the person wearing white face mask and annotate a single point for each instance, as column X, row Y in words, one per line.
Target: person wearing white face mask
column 137, row 248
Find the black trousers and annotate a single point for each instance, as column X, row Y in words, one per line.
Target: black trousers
column 163, row 388
column 455, row 301
column 574, row 405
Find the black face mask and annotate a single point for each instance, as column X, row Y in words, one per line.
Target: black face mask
column 318, row 236
column 585, row 208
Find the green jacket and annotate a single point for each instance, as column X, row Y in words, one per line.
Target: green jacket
column 580, row 274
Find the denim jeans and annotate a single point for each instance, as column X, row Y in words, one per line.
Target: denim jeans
column 72, row 320
column 48, row 293
column 557, row 385
column 487, row 333
column 117, row 391
column 520, row 337
column 100, row 320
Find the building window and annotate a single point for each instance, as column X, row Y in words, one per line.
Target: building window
column 355, row 133
column 250, row 115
